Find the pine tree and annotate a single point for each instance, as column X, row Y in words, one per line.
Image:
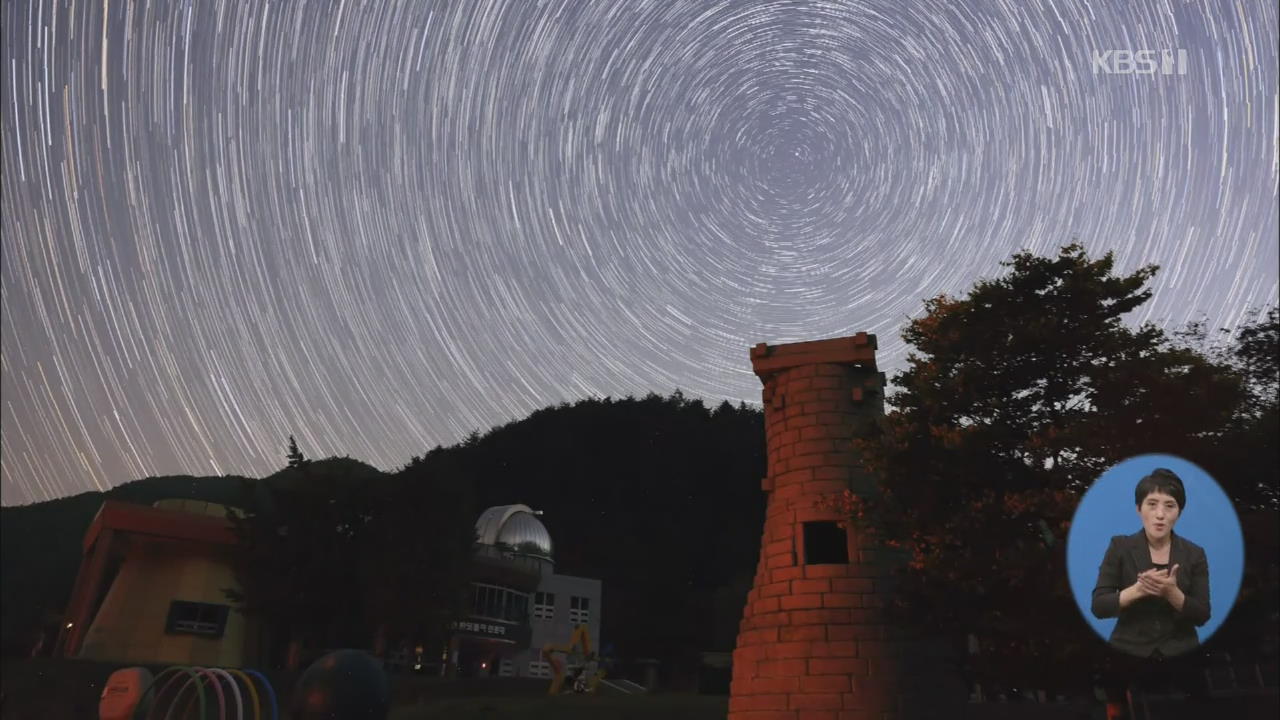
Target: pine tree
column 296, row 459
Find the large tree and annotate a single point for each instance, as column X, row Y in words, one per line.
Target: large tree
column 415, row 569
column 302, row 537
column 1245, row 460
column 336, row 554
column 1013, row 401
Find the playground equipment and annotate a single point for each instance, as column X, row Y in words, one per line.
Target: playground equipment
column 124, row 693
column 577, row 650
column 181, row 692
column 348, row 684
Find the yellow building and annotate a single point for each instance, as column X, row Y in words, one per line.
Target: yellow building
column 151, row 588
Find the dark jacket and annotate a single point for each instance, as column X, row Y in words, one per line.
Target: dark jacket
column 1152, row 624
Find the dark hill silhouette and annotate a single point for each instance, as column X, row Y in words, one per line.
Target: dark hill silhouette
column 346, row 469
column 659, row 497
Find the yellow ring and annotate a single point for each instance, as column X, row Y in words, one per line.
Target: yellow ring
column 253, row 691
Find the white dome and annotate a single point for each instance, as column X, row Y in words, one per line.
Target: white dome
column 516, row 526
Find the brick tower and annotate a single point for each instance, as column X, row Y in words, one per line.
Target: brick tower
column 812, row 644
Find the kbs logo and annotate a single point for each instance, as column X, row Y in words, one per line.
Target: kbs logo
column 1140, row 62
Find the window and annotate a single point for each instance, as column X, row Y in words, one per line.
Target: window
column 825, row 543
column 579, row 610
column 499, row 603
column 538, row 668
column 544, row 606
column 484, row 599
column 516, row 607
column 195, row 618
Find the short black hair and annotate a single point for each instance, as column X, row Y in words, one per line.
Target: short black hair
column 1161, row 480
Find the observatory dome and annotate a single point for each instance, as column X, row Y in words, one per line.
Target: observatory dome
column 516, row 526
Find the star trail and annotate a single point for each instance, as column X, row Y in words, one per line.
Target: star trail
column 381, row 225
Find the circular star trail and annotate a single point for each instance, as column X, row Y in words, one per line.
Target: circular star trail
column 379, row 226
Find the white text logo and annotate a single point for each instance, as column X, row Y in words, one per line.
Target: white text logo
column 1140, row 62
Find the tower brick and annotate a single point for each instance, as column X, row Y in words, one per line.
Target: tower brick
column 813, row 642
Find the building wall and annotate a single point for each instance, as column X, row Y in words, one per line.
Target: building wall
column 130, row 625
column 559, row 629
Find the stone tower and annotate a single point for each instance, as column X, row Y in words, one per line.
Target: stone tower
column 812, row 644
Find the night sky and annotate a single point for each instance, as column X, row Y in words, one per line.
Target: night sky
column 381, row 225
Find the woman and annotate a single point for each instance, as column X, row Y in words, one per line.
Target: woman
column 1155, row 582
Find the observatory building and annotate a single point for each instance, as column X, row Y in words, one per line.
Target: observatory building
column 518, row 602
column 150, row 587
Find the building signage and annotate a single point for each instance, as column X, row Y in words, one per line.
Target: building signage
column 517, row 634
column 481, row 628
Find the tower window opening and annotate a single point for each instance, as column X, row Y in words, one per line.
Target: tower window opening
column 825, row 543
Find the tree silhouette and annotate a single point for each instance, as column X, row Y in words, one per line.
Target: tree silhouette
column 1014, row 399
column 1243, row 458
column 296, row 459
column 305, row 534
column 414, row 566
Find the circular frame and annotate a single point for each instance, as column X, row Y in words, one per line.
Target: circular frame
column 1208, row 519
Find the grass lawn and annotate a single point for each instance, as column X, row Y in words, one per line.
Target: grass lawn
column 667, row 706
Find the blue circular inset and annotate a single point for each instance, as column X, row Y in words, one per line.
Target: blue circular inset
column 1208, row 519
